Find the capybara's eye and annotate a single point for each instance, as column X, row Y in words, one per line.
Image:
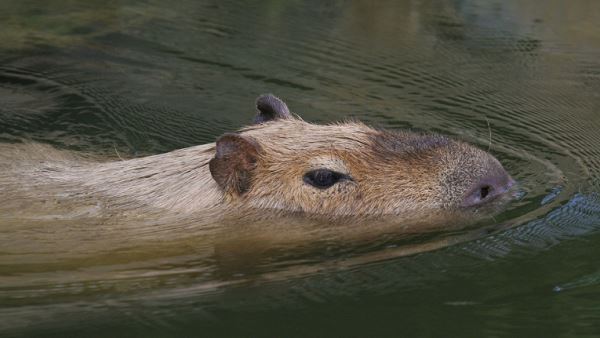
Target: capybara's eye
column 323, row 178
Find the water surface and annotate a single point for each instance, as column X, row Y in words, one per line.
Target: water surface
column 133, row 78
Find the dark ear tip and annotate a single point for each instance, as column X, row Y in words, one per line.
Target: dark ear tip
column 263, row 98
column 270, row 104
column 270, row 107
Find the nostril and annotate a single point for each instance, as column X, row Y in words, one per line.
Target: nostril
column 484, row 191
column 487, row 190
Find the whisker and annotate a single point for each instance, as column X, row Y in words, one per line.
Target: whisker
column 490, row 131
column 116, row 151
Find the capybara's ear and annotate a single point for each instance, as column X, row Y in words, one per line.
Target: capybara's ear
column 269, row 107
column 234, row 161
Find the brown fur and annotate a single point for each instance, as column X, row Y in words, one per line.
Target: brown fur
column 394, row 172
column 258, row 170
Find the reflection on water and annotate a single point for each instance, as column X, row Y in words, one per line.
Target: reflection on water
column 130, row 79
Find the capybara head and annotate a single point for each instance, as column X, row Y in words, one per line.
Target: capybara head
column 284, row 163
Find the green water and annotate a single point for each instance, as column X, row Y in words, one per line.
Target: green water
column 148, row 77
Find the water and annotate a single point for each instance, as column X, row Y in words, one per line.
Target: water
column 139, row 78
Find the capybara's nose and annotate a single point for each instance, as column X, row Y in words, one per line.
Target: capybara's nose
column 487, row 189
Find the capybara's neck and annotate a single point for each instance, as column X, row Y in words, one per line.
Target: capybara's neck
column 178, row 181
column 36, row 178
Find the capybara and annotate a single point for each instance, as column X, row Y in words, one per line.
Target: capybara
column 278, row 165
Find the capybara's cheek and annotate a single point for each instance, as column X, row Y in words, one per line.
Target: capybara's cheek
column 339, row 199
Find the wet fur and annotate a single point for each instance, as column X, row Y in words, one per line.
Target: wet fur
column 395, row 173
